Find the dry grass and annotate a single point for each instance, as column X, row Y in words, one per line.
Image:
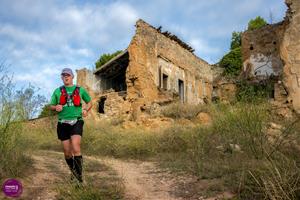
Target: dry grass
column 179, row 110
column 234, row 149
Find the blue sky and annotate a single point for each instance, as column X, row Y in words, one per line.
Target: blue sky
column 40, row 37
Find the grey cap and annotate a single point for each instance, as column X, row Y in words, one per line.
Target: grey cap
column 67, row 71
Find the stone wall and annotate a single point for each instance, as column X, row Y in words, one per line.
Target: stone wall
column 151, row 52
column 88, row 80
column 115, row 104
column 290, row 53
column 275, row 49
column 261, row 51
column 224, row 90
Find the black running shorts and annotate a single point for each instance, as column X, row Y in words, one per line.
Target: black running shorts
column 65, row 131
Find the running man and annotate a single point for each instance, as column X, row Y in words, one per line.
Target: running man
column 67, row 101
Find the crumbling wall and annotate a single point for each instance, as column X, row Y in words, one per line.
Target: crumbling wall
column 174, row 74
column 115, row 104
column 88, row 80
column 224, row 90
column 275, row 50
column 148, row 51
column 261, row 51
column 290, row 53
column 152, row 54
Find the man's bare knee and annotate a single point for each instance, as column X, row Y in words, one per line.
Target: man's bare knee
column 76, row 140
column 76, row 150
column 67, row 146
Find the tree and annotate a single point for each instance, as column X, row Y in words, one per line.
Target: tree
column 236, row 40
column 28, row 102
column 232, row 62
column 46, row 111
column 15, row 107
column 256, row 23
column 6, row 97
column 104, row 58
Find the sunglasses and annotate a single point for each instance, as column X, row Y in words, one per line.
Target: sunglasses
column 65, row 75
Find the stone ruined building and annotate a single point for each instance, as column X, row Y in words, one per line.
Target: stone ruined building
column 224, row 89
column 156, row 69
column 274, row 50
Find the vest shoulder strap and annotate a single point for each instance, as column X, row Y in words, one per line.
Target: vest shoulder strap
column 63, row 89
column 77, row 89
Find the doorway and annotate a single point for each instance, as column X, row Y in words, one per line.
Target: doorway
column 181, row 90
column 101, row 105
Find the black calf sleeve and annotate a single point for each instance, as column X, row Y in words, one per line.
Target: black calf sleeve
column 70, row 162
column 78, row 162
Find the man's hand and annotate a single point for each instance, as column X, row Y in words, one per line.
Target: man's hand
column 84, row 113
column 86, row 108
column 58, row 108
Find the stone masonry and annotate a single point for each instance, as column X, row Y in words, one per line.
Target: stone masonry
column 275, row 50
column 154, row 70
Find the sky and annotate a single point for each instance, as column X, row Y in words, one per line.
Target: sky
column 40, row 37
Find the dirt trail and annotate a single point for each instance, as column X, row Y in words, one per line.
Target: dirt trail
column 142, row 180
column 46, row 173
column 146, row 181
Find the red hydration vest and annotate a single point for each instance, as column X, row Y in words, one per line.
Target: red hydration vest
column 75, row 96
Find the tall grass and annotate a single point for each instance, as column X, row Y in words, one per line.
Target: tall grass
column 235, row 149
column 15, row 106
column 13, row 161
column 41, row 133
column 105, row 139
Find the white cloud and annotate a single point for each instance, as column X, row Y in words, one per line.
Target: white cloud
column 203, row 47
column 19, row 34
column 69, row 29
column 50, row 71
column 48, row 35
column 47, row 78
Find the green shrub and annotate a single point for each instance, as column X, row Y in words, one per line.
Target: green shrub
column 251, row 92
column 104, row 58
column 236, row 40
column 46, row 111
column 256, row 23
column 232, row 62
